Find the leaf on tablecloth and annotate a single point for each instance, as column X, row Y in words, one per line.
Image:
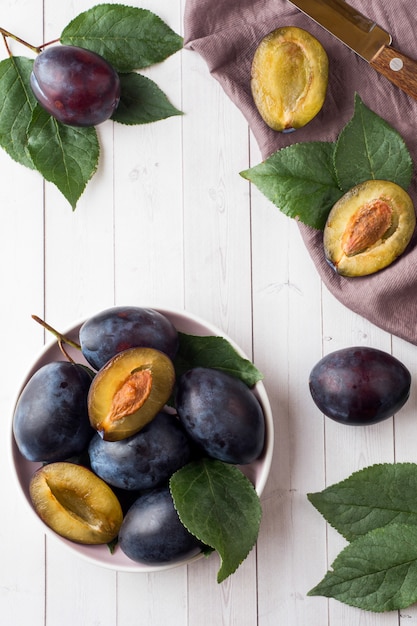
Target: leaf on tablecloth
column 300, row 180
column 305, row 180
column 369, row 148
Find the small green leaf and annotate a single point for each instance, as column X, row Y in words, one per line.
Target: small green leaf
column 67, row 156
column 16, row 105
column 300, row 180
column 215, row 352
column 142, row 101
column 377, row 572
column 368, row 148
column 370, row 498
column 220, row 507
column 129, row 38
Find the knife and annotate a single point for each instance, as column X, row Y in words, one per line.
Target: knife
column 365, row 37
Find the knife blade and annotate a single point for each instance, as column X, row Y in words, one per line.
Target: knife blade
column 365, row 38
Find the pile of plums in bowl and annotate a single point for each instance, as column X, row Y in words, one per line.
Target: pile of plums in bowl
column 115, row 408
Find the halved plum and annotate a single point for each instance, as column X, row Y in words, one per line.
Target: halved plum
column 129, row 391
column 289, row 78
column 75, row 503
column 368, row 228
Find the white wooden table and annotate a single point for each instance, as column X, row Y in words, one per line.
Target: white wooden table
column 167, row 221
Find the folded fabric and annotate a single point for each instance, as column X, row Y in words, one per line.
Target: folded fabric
column 226, row 33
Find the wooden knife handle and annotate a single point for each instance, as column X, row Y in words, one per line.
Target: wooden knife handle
column 398, row 68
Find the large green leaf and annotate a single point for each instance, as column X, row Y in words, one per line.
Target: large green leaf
column 220, row 506
column 65, row 155
column 370, row 498
column 300, row 180
column 215, row 352
column 16, row 105
column 129, row 38
column 369, row 148
column 305, row 180
column 377, row 572
column 142, row 101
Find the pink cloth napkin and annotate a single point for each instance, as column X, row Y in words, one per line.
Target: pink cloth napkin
column 226, row 33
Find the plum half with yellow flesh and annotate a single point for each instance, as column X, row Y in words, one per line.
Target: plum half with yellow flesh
column 368, row 228
column 129, row 391
column 75, row 503
column 289, row 78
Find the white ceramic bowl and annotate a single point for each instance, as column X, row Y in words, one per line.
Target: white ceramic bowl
column 257, row 471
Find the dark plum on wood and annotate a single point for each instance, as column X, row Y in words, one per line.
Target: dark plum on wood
column 359, row 385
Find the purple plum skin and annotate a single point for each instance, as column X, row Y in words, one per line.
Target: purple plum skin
column 145, row 460
column 359, row 385
column 153, row 533
column 76, row 86
column 116, row 329
column 221, row 414
column 50, row 421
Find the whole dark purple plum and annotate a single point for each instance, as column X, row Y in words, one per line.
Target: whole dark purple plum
column 116, row 329
column 359, row 385
column 144, row 460
column 50, row 421
column 221, row 414
column 76, row 86
column 152, row 532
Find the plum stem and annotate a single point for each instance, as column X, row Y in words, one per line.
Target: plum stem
column 60, row 337
column 64, row 351
column 48, row 43
column 5, row 33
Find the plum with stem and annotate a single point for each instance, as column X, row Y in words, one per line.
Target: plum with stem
column 76, row 86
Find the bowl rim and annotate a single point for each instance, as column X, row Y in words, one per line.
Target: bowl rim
column 83, row 551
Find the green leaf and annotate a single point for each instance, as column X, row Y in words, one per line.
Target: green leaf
column 129, row 38
column 220, row 506
column 65, row 155
column 305, row 180
column 369, row 148
column 300, row 180
column 215, row 352
column 16, row 105
column 142, row 101
column 370, row 498
column 377, row 572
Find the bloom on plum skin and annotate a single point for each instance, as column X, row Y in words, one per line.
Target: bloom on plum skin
column 76, row 86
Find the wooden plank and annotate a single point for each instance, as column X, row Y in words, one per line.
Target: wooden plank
column 22, row 574
column 287, row 338
column 217, row 279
